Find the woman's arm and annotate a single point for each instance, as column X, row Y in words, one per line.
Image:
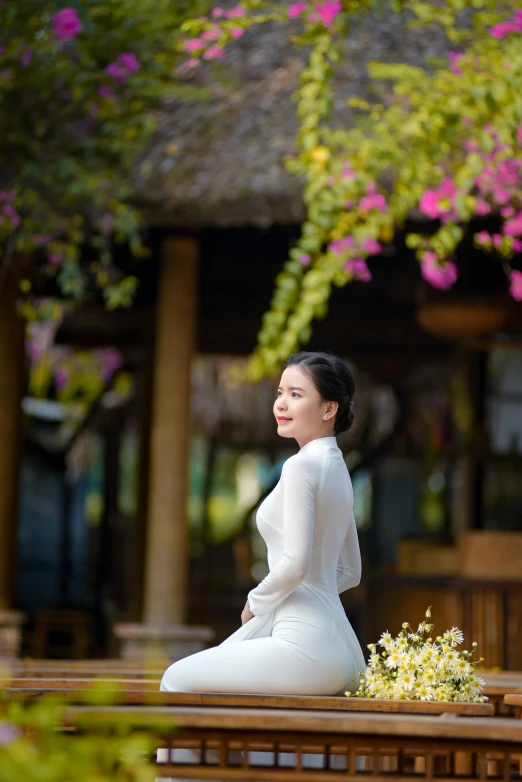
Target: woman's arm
column 349, row 565
column 299, row 491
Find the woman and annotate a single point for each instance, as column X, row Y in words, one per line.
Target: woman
column 295, row 638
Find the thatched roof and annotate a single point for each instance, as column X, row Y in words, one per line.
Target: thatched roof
column 229, row 166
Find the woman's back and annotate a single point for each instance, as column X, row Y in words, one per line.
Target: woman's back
column 307, row 523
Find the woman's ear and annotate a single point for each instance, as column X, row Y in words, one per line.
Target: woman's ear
column 330, row 410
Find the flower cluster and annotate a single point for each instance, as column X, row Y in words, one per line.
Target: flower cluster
column 322, row 13
column 209, row 44
column 413, row 666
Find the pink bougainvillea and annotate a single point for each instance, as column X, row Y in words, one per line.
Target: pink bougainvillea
column 326, row 12
column 441, row 276
column 505, row 28
column 515, row 287
column 453, row 58
column 296, row 9
column 195, row 45
column 358, row 268
column 373, row 201
column 66, row 24
column 129, row 62
column 235, row 13
column 371, row 246
column 340, row 245
column 439, row 203
column 214, row 53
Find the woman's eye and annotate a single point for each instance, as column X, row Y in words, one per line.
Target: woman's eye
column 295, row 394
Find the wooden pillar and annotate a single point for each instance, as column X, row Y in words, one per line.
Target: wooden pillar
column 11, row 388
column 166, row 562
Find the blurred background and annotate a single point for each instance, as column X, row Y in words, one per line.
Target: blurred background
column 132, row 462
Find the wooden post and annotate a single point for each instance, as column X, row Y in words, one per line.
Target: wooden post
column 165, row 582
column 11, row 387
column 166, row 562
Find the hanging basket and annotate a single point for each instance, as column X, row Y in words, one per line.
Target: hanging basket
column 462, row 319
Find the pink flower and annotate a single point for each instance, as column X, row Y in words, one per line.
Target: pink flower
column 304, row 259
column 66, row 24
column 129, row 62
column 191, row 63
column 375, row 201
column 358, row 268
column 111, row 361
column 441, row 276
column 326, row 11
column 61, row 378
column 8, row 733
column 507, row 211
column 235, row 13
column 483, row 238
column 26, row 59
column 237, row 32
column 216, row 12
column 116, row 72
column 454, row 58
column 497, row 240
column 501, row 196
column 11, row 213
column 106, row 93
column 296, row 9
column 211, row 35
column 371, row 246
column 213, row 53
column 348, row 173
column 439, row 203
column 513, row 227
column 517, row 245
column 340, row 245
column 482, row 207
column 41, row 239
column 195, row 45
column 503, row 29
column 515, row 288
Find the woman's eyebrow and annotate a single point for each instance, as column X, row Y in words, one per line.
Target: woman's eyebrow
column 292, row 388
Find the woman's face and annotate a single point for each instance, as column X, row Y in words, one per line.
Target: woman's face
column 300, row 410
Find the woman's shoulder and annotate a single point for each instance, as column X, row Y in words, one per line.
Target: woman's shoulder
column 309, row 465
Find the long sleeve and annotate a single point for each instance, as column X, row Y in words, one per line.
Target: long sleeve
column 299, row 494
column 349, row 565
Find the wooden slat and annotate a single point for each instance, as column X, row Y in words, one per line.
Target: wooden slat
column 84, row 673
column 133, row 690
column 274, row 720
column 513, row 699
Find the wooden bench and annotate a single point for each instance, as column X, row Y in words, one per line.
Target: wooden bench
column 139, row 692
column 228, row 740
column 514, row 702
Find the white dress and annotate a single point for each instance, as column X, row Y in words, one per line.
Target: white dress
column 300, row 641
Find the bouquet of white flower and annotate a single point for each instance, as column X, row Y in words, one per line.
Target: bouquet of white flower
column 414, row 667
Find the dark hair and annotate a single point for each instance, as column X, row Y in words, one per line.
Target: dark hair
column 333, row 379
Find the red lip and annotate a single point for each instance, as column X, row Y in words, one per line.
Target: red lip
column 280, row 418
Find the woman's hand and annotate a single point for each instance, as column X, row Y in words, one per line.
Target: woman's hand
column 246, row 614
